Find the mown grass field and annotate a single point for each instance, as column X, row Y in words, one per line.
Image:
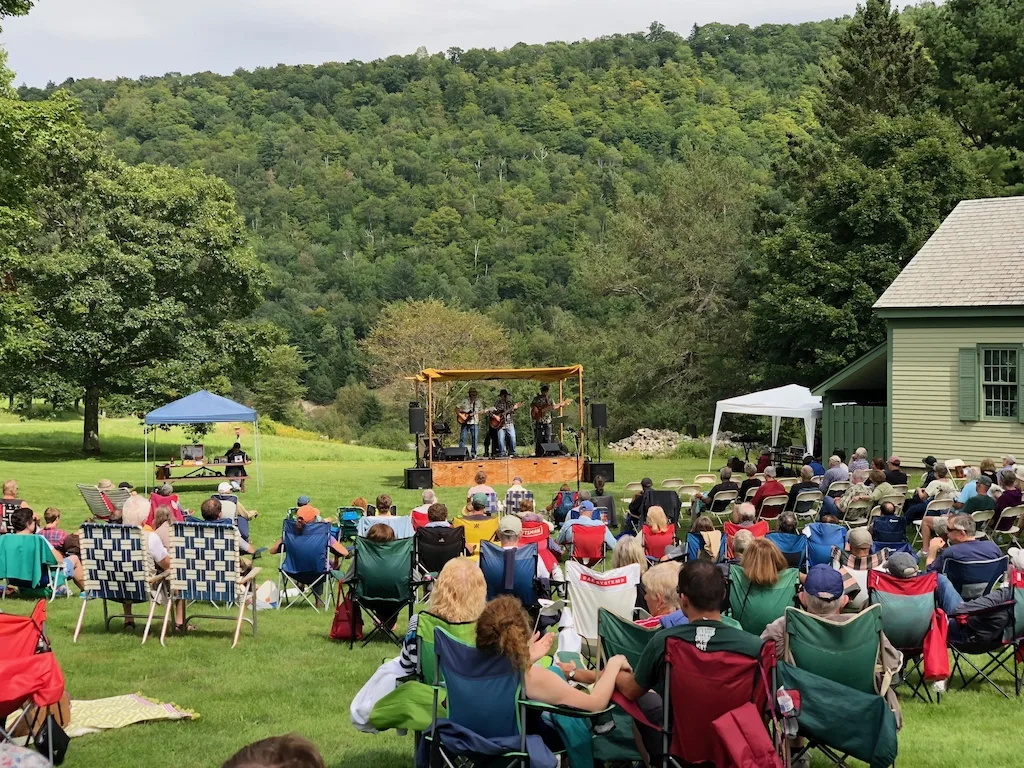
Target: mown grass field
column 291, row 677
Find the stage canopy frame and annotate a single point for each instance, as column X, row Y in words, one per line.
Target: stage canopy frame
column 431, row 376
column 203, row 407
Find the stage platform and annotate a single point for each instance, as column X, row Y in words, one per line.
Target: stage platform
column 547, row 469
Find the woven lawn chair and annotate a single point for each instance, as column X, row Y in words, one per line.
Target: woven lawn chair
column 477, row 531
column 492, row 503
column 383, row 584
column 305, row 563
column 400, row 524
column 205, row 567
column 348, row 522
column 118, row 568
column 102, row 503
column 27, row 562
column 907, row 609
column 514, row 498
column 754, row 606
column 975, row 578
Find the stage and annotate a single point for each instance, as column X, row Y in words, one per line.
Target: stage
column 533, row 470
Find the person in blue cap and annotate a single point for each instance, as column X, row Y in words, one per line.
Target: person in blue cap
column 589, row 516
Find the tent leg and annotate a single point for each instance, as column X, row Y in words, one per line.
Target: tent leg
column 145, row 454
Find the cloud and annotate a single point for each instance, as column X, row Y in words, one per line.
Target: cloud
column 112, row 38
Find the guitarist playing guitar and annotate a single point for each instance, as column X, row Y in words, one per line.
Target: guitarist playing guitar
column 540, row 411
column 502, row 422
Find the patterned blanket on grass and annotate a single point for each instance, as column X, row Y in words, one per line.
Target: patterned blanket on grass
column 92, row 716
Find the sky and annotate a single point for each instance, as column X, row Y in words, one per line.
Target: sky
column 129, row 38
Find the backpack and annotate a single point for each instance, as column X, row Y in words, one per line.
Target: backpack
column 348, row 620
column 564, row 502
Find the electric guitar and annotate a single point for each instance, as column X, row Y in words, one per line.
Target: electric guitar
column 537, row 411
column 498, row 416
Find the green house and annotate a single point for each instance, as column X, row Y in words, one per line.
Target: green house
column 946, row 382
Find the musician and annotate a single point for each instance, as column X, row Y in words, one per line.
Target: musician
column 505, row 409
column 469, row 412
column 541, row 409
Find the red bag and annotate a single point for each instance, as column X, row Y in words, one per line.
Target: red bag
column 348, row 619
column 936, row 656
column 741, row 740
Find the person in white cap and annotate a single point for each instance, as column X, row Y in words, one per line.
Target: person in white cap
column 510, row 528
column 231, row 508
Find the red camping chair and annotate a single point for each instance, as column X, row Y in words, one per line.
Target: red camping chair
column 656, row 543
column 156, row 500
column 30, row 672
column 539, row 533
column 702, row 687
column 419, row 520
column 588, row 545
column 760, row 529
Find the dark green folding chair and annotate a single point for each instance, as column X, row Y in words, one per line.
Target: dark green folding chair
column 383, row 584
column 754, row 606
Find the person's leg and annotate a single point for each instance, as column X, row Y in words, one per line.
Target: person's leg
column 538, row 437
column 915, row 511
column 463, row 432
column 926, row 531
column 510, row 433
column 77, row 572
column 828, row 507
column 949, row 598
column 474, row 433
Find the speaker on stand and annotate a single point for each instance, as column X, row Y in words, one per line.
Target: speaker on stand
column 599, row 421
column 417, row 426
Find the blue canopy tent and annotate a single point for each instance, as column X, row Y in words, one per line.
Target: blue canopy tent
column 204, row 407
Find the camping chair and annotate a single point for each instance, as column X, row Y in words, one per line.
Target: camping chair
column 477, row 531
column 434, row 547
column 514, row 498
column 588, row 545
column 97, row 500
column 371, row 510
column 700, row 687
column 304, row 563
column 33, row 680
column 538, row 533
column 400, row 524
column 890, row 532
column 719, row 507
column 759, row 530
column 907, row 609
column 205, row 567
column 589, row 591
column 833, row 662
column 771, row 508
column 511, row 572
column 1008, row 524
column 975, row 578
column 348, row 522
column 857, row 513
column 837, row 488
column 383, row 584
column 755, row 607
column 793, row 547
column 419, row 520
column 27, row 562
column 656, row 543
column 606, row 504
column 486, row 710
column 993, row 631
column 807, row 504
column 702, row 544
column 667, row 500
column 118, row 568
column 821, row 537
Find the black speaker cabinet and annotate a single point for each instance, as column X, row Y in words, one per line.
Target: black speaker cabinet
column 417, row 421
column 598, row 416
column 550, row 449
column 592, row 469
column 456, row 453
column 419, row 478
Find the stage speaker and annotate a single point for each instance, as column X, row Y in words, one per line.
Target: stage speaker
column 455, row 453
column 419, row 478
column 592, row 469
column 550, row 449
column 417, row 421
column 599, row 416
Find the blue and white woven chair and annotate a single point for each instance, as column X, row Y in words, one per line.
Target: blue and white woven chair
column 205, row 568
column 514, row 498
column 119, row 568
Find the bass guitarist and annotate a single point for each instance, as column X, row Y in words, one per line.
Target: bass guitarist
column 540, row 411
column 468, row 415
column 502, row 421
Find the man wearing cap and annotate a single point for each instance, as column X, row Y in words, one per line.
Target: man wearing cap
column 477, row 510
column 962, row 545
column 306, row 512
column 590, row 517
column 136, row 509
column 894, row 475
column 510, row 528
column 231, row 508
column 903, row 565
column 823, row 595
column 929, row 467
column 470, row 409
column 542, row 405
column 637, row 504
column 506, row 409
column 1010, row 462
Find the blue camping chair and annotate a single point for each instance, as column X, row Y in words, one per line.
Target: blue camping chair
column 974, row 579
column 510, row 572
column 304, row 562
column 822, row 537
column 793, row 547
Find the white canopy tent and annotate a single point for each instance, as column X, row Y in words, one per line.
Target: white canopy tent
column 789, row 402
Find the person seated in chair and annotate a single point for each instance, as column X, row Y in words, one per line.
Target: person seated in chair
column 437, row 516
column 836, row 473
column 481, row 486
column 10, row 499
column 510, row 529
column 962, row 545
column 860, row 460
column 770, row 487
column 750, row 482
column 903, row 565
column 805, row 484
column 939, row 489
column 476, row 510
column 225, row 492
column 23, row 523
column 823, row 595
column 977, row 501
column 384, row 506
column 701, row 500
column 164, row 496
column 1011, row 495
column 136, row 509
column 817, row 470
column 589, row 517
column 858, row 491
column 210, row 512
column 428, row 498
column 894, row 475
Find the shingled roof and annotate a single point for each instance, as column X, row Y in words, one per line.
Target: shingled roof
column 975, row 259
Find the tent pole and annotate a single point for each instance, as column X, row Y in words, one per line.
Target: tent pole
column 581, row 398
column 430, row 424
column 561, row 412
column 145, row 459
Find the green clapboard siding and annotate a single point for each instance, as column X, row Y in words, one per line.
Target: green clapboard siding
column 855, row 426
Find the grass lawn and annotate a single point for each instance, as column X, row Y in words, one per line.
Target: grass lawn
column 291, row 677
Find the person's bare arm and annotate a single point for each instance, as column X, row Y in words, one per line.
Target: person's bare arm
column 543, row 686
column 934, row 548
column 627, row 686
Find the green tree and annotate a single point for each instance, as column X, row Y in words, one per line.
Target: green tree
column 277, row 386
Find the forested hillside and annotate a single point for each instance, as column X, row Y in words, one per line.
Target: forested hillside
column 687, row 216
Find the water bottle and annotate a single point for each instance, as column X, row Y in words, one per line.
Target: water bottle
column 788, row 712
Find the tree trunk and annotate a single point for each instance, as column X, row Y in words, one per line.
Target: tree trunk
column 91, row 434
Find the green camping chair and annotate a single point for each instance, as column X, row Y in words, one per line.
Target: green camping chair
column 832, row 664
column 907, row 609
column 27, row 562
column 755, row 607
column 383, row 584
column 619, row 636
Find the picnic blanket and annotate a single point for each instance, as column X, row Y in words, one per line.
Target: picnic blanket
column 92, row 716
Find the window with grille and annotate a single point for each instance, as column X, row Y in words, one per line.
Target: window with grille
column 999, row 383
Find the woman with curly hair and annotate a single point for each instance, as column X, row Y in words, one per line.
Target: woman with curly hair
column 503, row 629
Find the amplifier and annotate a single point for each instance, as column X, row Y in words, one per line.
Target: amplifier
column 592, row 469
column 419, row 478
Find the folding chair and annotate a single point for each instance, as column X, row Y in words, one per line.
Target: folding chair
column 348, row 522
column 907, row 608
column 304, row 563
column 434, row 547
column 700, row 687
column 771, row 508
column 755, row 606
column 807, row 504
column 539, row 534
column 704, row 478
column 751, row 492
column 27, row 562
column 1008, row 525
column 511, row 572
column 787, row 482
column 901, row 489
column 383, row 584
column 589, row 591
column 720, row 504
column 33, row 680
column 205, row 567
column 477, row 531
column 118, row 568
column 994, row 631
column 975, row 578
column 514, row 498
column 934, row 507
column 857, row 513
column 896, row 499
column 588, row 545
column 673, row 484
column 758, row 530
column 793, row 547
column 688, row 491
column 631, row 488
column 102, row 503
column 837, row 488
column 400, row 524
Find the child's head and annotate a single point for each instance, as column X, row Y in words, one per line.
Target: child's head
column 51, row 515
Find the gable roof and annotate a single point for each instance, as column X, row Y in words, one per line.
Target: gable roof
column 974, row 259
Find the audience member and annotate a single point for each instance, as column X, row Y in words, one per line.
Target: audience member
column 476, row 510
column 658, row 533
column 750, row 482
column 979, row 500
column 359, row 503
column 589, row 517
column 158, row 544
column 380, row 533
column 437, row 516
column 894, row 475
column 164, row 496
column 135, row 510
column 988, row 468
column 929, row 470
column 291, row 751
column 770, row 487
column 704, row 542
column 305, row 511
column 637, row 504
column 836, row 473
column 1011, row 495
column 385, row 506
column 765, row 459
column 763, row 562
column 661, row 596
column 428, row 498
column 816, row 469
column 481, row 486
column 938, row 489
column 10, row 499
column 860, row 460
column 880, row 487
column 878, row 463
column 628, row 551
column 841, row 453
column 210, row 510
column 50, row 531
column 903, row 565
column 740, row 544
column 962, row 545
column 789, row 540
column 969, row 488
column 805, row 484
column 701, row 500
column 23, row 523
column 858, row 491
column 510, row 528
column 1010, row 463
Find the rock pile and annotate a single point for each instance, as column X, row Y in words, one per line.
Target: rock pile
column 659, row 442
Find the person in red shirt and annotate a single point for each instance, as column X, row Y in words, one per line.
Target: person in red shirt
column 770, row 487
column 765, row 460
